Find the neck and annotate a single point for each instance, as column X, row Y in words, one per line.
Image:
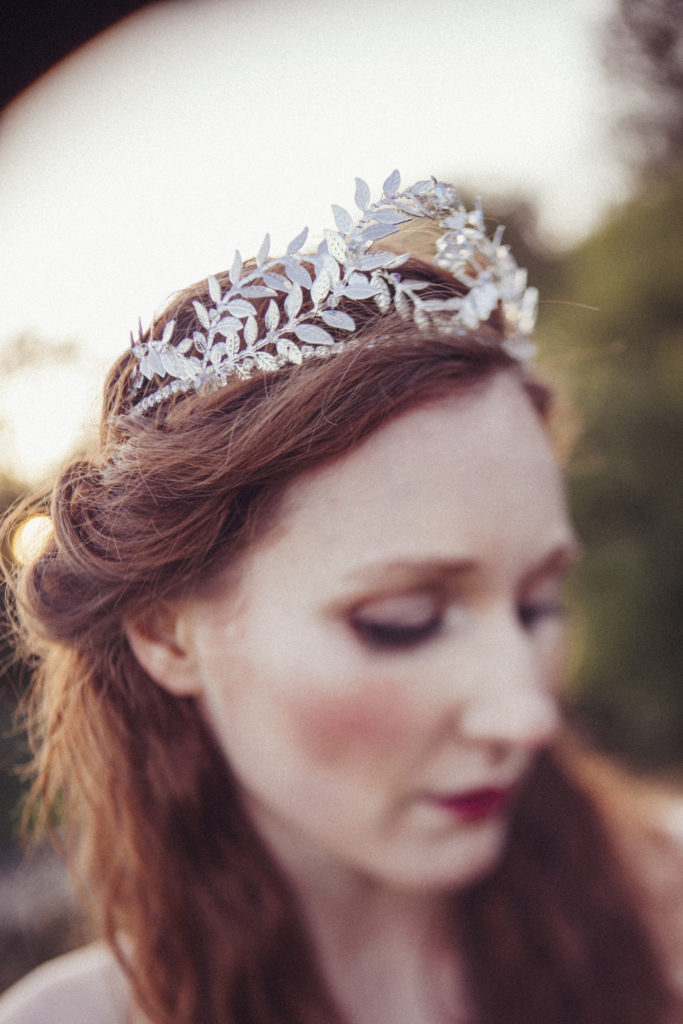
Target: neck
column 385, row 954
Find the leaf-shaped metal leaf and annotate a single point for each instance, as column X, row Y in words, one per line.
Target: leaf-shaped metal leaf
column 397, row 261
column 456, row 221
column 330, row 265
column 250, row 330
column 320, row 287
column 256, row 291
column 232, row 344
column 297, row 242
column 374, row 260
column 336, row 246
column 374, row 231
column 392, row 184
column 272, row 315
column 214, row 289
column 200, row 342
column 236, row 269
column 337, row 318
column 277, row 281
column 385, row 216
column 218, row 352
column 289, row 350
column 202, row 314
column 228, row 325
column 343, row 219
column 168, row 332
column 413, row 284
column 266, row 361
column 359, row 291
column 262, row 254
column 298, row 274
column 152, row 364
column 184, row 346
column 362, row 196
column 313, row 335
column 293, row 301
column 408, row 207
column 241, row 308
column 171, row 362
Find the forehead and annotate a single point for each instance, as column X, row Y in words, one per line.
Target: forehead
column 468, row 471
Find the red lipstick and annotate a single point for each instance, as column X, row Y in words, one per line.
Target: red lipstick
column 477, row 804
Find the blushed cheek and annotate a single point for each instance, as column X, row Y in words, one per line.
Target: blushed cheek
column 368, row 723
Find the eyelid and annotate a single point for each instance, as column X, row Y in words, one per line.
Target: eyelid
column 533, row 612
column 543, row 598
column 397, row 621
column 387, row 636
column 407, row 609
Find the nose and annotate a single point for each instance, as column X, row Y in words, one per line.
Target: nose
column 511, row 701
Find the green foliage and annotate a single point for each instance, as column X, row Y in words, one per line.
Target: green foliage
column 624, row 366
column 12, row 743
column 643, row 50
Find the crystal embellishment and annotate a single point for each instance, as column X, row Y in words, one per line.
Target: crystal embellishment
column 305, row 291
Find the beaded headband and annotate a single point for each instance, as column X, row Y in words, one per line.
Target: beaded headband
column 347, row 267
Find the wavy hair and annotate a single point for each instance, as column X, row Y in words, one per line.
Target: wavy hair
column 178, row 879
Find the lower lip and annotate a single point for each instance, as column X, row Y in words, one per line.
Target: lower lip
column 477, row 805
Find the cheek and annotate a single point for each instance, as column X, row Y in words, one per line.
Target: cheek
column 367, row 723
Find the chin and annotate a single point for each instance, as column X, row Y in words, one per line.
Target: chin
column 461, row 864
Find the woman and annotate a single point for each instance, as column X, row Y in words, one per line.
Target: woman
column 300, row 634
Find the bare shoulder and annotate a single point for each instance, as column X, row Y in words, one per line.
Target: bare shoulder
column 658, row 859
column 83, row 987
column 659, row 855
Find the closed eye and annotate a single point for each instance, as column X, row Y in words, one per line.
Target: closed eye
column 386, row 635
column 534, row 612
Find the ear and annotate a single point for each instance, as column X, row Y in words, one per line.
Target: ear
column 159, row 642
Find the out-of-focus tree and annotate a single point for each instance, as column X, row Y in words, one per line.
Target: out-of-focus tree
column 623, row 361
column 19, row 355
column 644, row 54
column 11, row 744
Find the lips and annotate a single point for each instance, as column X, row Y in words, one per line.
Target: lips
column 477, row 804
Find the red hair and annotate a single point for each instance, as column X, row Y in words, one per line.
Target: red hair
column 180, row 882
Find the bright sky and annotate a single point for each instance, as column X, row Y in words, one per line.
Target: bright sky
column 140, row 163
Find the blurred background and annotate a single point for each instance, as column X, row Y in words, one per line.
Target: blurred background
column 141, row 143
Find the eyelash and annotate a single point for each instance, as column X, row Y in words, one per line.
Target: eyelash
column 531, row 614
column 389, row 635
column 382, row 635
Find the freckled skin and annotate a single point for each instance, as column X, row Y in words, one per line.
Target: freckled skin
column 337, row 743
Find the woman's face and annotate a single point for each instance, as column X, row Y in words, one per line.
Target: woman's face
column 384, row 668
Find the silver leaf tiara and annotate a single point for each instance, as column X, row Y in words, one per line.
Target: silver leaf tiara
column 228, row 341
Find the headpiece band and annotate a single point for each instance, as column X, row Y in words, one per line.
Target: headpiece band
column 228, row 341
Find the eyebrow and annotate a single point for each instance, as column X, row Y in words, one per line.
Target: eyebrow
column 413, row 572
column 559, row 560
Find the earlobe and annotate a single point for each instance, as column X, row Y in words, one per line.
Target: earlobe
column 156, row 639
